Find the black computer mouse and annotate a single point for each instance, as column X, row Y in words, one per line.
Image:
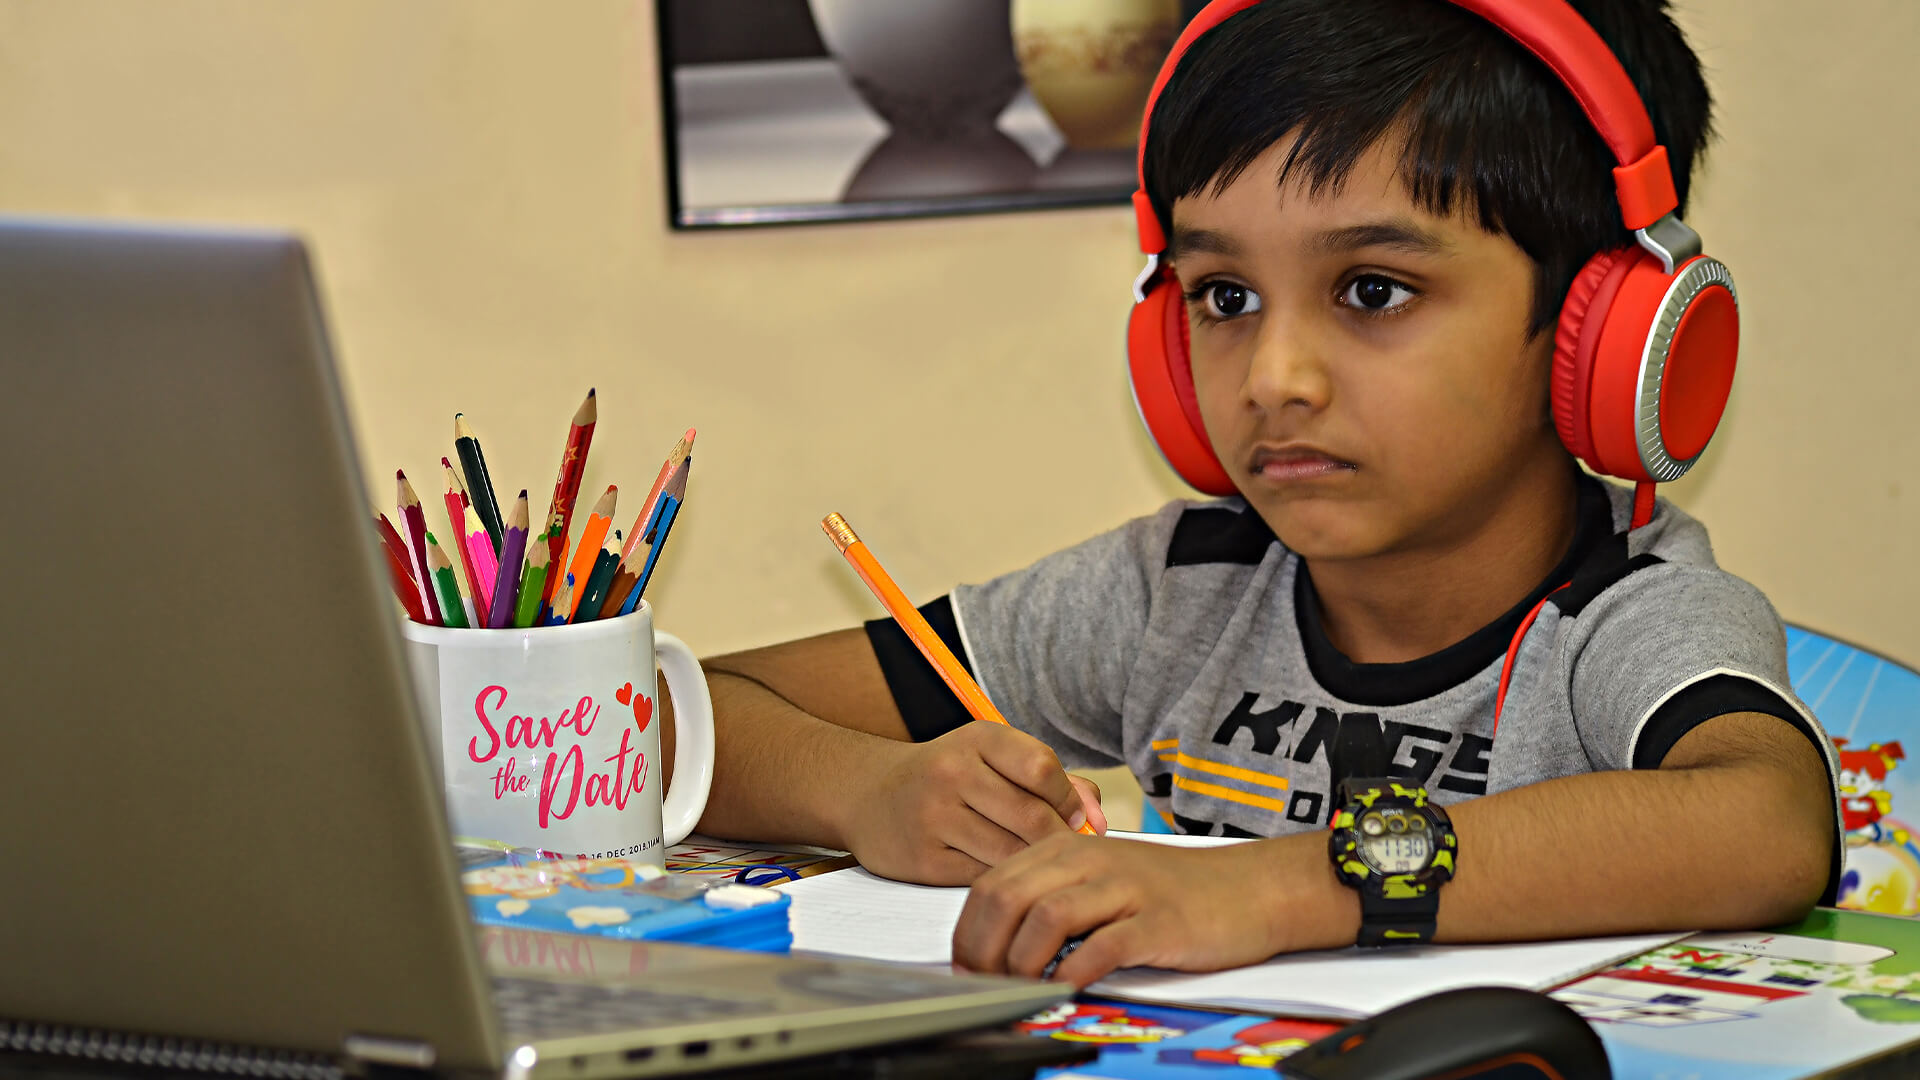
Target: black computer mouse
column 1485, row 1033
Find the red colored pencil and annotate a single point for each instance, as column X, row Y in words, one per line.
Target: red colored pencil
column 416, row 519
column 456, row 502
column 678, row 454
column 566, row 488
column 403, row 585
column 390, row 539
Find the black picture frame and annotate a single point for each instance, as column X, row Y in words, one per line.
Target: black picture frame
column 720, row 60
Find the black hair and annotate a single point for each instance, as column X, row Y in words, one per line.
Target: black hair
column 1487, row 126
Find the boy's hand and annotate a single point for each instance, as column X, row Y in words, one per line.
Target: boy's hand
column 1142, row 903
column 942, row 812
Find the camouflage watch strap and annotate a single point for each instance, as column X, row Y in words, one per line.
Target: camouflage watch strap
column 1408, row 920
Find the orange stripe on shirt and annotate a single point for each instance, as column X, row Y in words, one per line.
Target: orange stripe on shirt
column 1230, row 795
column 1233, row 771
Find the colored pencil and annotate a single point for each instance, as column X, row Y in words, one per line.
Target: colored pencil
column 605, row 565
column 566, row 486
column 403, row 586
column 531, row 585
column 563, row 598
column 661, row 526
column 456, row 502
column 674, row 457
column 416, row 519
column 513, row 547
column 390, row 539
column 913, row 623
column 466, row 446
column 625, row 577
column 486, row 565
column 446, row 586
column 586, row 552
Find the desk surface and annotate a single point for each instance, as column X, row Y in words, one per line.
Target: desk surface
column 1836, row 995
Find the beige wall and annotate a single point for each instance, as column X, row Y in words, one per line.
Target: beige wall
column 482, row 185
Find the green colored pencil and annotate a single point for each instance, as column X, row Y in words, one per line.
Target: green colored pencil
column 445, row 585
column 533, row 584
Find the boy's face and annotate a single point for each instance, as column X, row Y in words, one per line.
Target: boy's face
column 1363, row 366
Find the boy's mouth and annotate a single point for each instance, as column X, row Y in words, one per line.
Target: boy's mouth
column 1292, row 462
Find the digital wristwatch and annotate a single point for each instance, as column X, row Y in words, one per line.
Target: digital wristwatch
column 1393, row 846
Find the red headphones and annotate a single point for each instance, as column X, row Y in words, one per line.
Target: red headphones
column 1645, row 349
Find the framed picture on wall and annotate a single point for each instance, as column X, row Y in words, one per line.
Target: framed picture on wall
column 781, row 111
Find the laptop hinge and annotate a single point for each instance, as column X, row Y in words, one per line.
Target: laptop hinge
column 388, row 1053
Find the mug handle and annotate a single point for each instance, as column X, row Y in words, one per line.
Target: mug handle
column 692, row 735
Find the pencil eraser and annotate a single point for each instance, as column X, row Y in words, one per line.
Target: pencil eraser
column 739, row 897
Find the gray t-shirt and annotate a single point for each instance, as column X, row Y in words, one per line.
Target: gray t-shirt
column 1187, row 645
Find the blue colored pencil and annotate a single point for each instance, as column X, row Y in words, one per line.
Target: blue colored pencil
column 513, row 551
column 556, row 615
column 664, row 515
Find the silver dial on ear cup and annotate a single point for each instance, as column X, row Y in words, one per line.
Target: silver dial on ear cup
column 1698, row 276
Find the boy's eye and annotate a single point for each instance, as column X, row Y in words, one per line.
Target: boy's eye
column 1226, row 300
column 1375, row 293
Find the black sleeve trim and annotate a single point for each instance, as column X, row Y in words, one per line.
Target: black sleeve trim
column 929, row 708
column 1718, row 695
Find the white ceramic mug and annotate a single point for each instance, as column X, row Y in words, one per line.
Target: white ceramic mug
column 549, row 737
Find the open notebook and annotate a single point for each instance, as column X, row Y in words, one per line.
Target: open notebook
column 854, row 913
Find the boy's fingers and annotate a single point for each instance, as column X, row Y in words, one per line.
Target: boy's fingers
column 1028, row 764
column 1012, row 807
column 1115, row 945
column 980, row 836
column 951, row 866
column 1090, row 802
column 996, row 908
column 1058, row 916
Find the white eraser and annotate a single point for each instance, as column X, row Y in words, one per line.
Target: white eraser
column 739, row 897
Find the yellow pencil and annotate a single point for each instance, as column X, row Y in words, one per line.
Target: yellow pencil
column 915, row 624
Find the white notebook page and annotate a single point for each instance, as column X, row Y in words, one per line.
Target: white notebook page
column 854, row 913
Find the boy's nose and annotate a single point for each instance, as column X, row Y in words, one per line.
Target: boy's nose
column 1287, row 370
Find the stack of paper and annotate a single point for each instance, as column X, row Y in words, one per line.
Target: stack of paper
column 854, row 913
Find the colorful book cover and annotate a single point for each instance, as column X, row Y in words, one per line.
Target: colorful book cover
column 1839, row 987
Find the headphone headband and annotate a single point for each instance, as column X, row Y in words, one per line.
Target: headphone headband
column 1549, row 29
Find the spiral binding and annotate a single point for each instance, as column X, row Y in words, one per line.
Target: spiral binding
column 166, row 1053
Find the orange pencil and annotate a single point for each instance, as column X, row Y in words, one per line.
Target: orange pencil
column 915, row 624
column 566, row 488
column 674, row 457
column 587, row 549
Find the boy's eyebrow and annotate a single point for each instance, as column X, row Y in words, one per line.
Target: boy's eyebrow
column 1397, row 234
column 1200, row 242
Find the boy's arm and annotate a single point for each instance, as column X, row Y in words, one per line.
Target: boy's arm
column 810, row 747
column 1734, row 830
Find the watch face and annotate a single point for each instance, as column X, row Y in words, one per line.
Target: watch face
column 1395, row 842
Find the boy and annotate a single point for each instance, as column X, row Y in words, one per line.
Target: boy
column 1375, row 209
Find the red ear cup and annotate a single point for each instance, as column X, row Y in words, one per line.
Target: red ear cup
column 1576, row 341
column 1162, row 376
column 1640, row 391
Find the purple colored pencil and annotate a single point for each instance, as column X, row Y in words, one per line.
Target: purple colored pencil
column 513, row 551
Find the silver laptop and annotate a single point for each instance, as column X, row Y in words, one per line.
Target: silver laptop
column 221, row 842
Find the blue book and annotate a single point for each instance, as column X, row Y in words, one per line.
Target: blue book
column 527, row 889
